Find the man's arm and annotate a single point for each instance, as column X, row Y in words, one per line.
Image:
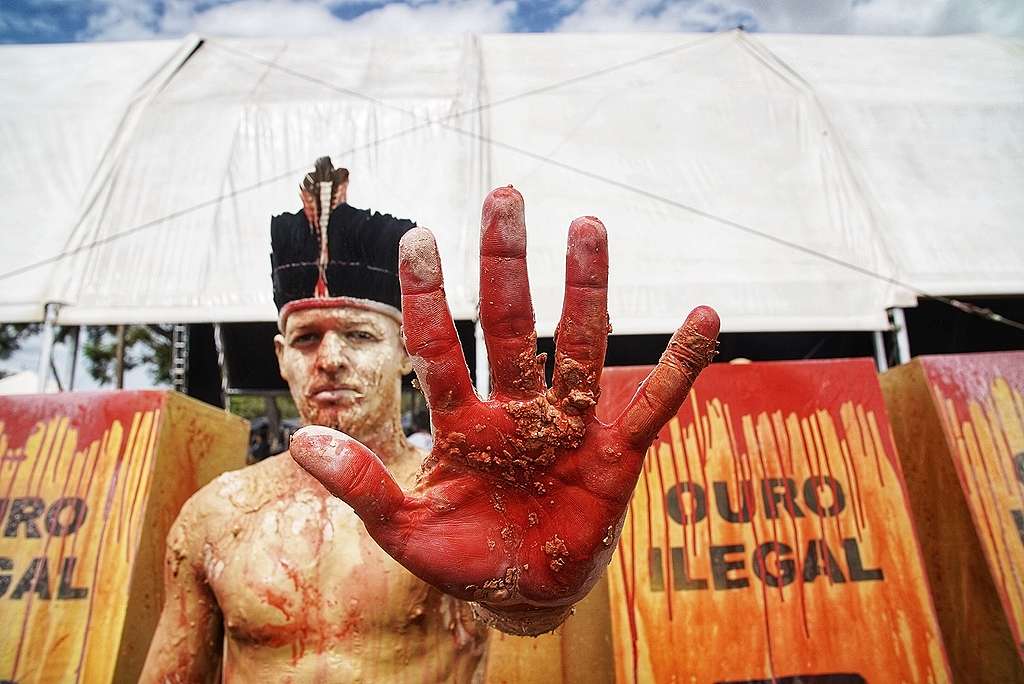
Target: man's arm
column 187, row 643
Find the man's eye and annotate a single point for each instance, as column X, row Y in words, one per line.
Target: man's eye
column 361, row 336
column 305, row 338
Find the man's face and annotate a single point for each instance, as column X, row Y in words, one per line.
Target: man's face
column 344, row 367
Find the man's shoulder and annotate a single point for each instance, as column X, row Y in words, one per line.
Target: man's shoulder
column 237, row 492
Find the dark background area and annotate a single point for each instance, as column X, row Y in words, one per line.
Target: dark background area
column 933, row 327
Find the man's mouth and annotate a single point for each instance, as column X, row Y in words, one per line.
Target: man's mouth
column 335, row 395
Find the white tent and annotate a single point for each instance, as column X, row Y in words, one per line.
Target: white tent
column 25, row 382
column 793, row 182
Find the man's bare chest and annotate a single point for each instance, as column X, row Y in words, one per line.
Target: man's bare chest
column 302, row 569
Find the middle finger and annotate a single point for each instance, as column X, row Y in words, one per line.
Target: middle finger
column 506, row 310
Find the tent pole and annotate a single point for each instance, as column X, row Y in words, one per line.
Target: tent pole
column 119, row 357
column 881, row 361
column 73, row 362
column 483, row 369
column 899, row 326
column 46, row 347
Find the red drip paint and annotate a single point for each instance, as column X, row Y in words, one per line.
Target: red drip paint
column 815, row 445
column 869, row 443
column 632, row 595
column 35, row 463
column 58, row 447
column 54, row 446
column 697, row 428
column 733, row 453
column 748, row 472
column 679, row 496
column 667, row 564
column 1004, row 451
column 14, row 477
column 704, row 475
column 691, row 523
column 764, row 476
column 133, row 437
column 99, row 552
column 630, row 589
column 88, row 485
column 144, row 467
column 831, row 475
column 856, row 482
column 988, row 527
column 1002, row 528
column 79, row 458
column 781, row 451
column 851, row 477
column 799, row 570
column 650, row 516
column 701, row 438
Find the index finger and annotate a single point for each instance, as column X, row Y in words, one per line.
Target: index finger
column 430, row 336
column 659, row 397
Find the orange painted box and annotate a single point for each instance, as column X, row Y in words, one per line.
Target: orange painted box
column 770, row 538
column 959, row 427
column 89, row 484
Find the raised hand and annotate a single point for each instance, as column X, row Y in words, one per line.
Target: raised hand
column 520, row 504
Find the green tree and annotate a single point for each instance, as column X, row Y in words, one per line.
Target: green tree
column 144, row 345
column 12, row 335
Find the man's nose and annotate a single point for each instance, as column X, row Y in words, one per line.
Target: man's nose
column 332, row 354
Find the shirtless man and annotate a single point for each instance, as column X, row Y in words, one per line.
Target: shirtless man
column 508, row 522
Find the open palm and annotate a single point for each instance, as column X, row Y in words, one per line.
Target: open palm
column 521, row 501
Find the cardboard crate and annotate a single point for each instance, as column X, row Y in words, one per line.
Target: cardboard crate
column 769, row 538
column 89, row 484
column 959, row 425
column 578, row 652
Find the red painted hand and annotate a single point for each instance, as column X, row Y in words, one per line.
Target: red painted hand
column 520, row 505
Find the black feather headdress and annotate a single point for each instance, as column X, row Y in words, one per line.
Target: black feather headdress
column 332, row 254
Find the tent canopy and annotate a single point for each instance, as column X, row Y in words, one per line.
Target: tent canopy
column 767, row 175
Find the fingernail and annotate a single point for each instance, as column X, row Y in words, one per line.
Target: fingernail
column 418, row 263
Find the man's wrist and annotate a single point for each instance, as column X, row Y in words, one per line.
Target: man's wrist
column 521, row 620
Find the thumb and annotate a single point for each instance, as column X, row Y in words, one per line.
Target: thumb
column 349, row 471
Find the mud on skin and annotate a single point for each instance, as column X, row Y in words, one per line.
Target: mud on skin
column 525, row 490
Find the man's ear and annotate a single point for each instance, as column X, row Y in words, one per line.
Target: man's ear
column 279, row 350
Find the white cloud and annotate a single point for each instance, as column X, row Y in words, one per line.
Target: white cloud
column 902, row 17
column 121, row 20
column 473, row 16
column 126, row 19
column 644, row 15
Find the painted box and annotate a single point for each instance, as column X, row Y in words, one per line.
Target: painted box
column 959, row 426
column 578, row 652
column 769, row 538
column 89, row 484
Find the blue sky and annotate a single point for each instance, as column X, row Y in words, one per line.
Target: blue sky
column 31, row 21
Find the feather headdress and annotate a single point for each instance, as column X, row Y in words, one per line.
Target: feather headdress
column 332, row 254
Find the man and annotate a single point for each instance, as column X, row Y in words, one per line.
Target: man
column 509, row 521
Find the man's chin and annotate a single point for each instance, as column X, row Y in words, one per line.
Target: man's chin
column 341, row 419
